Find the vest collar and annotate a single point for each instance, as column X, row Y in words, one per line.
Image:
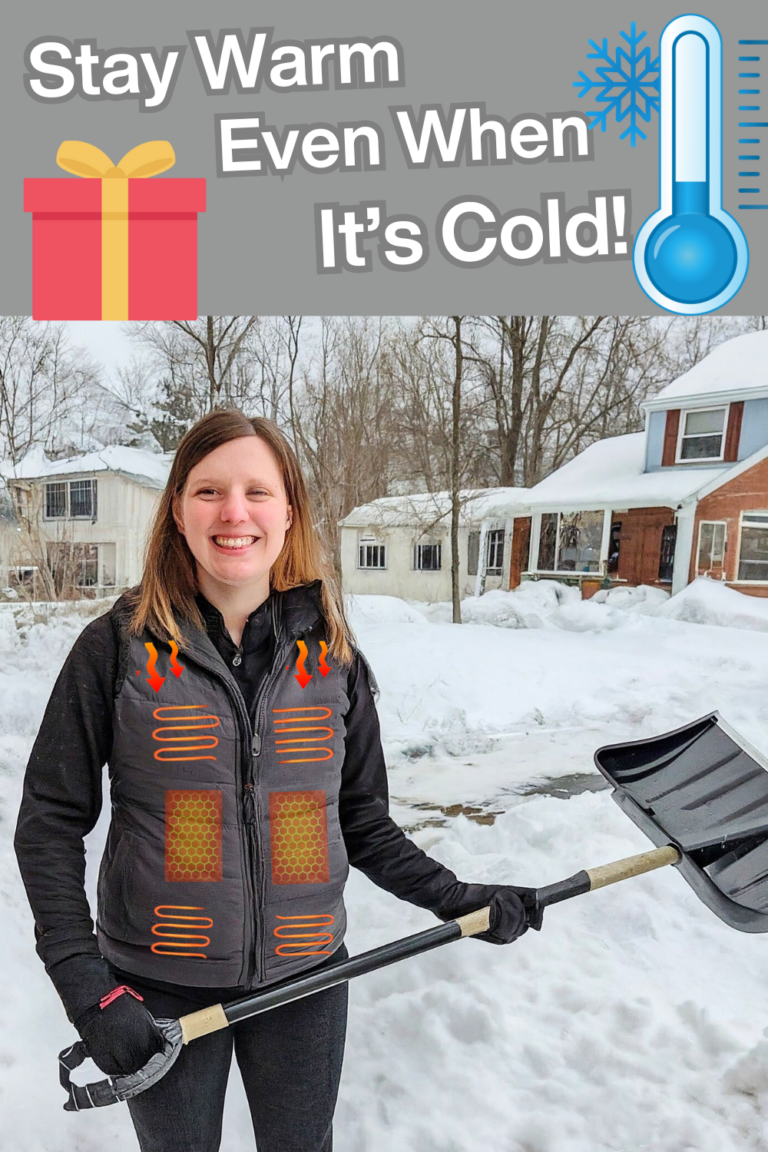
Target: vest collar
column 297, row 611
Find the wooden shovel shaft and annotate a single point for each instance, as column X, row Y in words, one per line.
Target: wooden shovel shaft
column 221, row 1016
column 604, row 874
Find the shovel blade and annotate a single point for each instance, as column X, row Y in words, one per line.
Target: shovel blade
column 704, row 789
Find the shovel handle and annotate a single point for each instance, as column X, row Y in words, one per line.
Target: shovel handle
column 591, row 878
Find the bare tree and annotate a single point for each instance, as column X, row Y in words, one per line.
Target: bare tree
column 340, row 419
column 554, row 384
column 47, row 389
column 207, row 363
column 450, row 330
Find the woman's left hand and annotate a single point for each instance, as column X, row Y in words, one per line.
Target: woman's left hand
column 513, row 911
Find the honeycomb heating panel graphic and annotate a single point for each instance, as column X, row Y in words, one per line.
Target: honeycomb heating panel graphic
column 298, row 828
column 193, row 835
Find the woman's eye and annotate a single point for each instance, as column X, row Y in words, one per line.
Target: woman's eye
column 251, row 492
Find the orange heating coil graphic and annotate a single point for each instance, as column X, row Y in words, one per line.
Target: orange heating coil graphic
column 189, row 724
column 193, row 835
column 301, row 720
column 307, row 942
column 298, row 830
column 180, row 932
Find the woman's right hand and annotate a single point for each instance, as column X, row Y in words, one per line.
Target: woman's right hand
column 119, row 1033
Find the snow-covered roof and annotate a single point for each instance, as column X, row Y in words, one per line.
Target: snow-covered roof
column 609, row 474
column 478, row 504
column 735, row 367
column 147, row 468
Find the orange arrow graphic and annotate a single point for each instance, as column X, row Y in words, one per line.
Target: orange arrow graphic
column 323, row 666
column 176, row 667
column 154, row 678
column 302, row 675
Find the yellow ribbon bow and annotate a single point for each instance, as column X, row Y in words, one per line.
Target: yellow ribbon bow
column 86, row 160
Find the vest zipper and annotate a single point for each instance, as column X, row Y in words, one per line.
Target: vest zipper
column 249, row 820
column 256, row 959
column 256, row 744
column 249, row 805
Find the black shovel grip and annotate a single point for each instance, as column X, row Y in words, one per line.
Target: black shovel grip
column 81, row 1096
column 117, row 1088
column 575, row 885
column 590, row 878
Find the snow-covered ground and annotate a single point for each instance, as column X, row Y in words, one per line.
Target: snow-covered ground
column 635, row 1019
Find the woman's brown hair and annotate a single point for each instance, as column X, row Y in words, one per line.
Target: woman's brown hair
column 169, row 581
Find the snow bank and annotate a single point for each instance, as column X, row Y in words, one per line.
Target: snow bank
column 706, row 601
column 525, row 607
column 628, row 598
column 381, row 610
column 550, row 604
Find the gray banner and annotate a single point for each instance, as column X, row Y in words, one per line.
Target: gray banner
column 261, row 240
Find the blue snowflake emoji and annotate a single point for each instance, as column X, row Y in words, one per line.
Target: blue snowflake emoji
column 627, row 85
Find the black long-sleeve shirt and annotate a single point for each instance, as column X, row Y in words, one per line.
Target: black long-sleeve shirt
column 63, row 793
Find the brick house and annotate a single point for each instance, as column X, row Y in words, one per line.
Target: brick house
column 686, row 497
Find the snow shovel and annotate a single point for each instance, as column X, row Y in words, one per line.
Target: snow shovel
column 700, row 793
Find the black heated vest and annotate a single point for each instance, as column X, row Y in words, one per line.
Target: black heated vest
column 225, row 863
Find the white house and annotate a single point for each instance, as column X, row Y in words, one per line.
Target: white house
column 687, row 496
column 401, row 545
column 89, row 512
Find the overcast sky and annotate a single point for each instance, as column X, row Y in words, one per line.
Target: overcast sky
column 105, row 340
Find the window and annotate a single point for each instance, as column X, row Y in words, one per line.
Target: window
column 711, row 547
column 108, row 564
column 86, row 560
column 55, row 501
column 371, row 553
column 702, row 434
column 495, row 552
column 73, row 499
column 548, row 542
column 473, row 553
column 753, row 549
column 571, row 541
column 427, row 557
column 73, row 565
column 82, row 498
column 579, row 541
column 667, row 553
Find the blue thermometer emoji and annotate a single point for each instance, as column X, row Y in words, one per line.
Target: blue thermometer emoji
column 691, row 256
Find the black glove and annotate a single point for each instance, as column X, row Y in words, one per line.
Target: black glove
column 119, row 1033
column 513, row 911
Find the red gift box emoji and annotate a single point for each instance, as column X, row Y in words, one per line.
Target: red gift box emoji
column 114, row 246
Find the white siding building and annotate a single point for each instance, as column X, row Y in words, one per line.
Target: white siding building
column 401, row 545
column 90, row 512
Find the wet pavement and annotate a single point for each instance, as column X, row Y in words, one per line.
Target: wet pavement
column 561, row 788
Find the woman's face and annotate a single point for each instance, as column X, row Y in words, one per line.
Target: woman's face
column 234, row 514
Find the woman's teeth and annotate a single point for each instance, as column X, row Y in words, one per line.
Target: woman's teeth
column 233, row 541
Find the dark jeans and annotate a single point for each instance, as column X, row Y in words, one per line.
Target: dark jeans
column 289, row 1058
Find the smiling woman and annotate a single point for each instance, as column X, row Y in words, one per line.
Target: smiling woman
column 229, row 846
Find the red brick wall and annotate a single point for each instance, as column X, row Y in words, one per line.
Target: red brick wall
column 746, row 493
column 640, row 543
